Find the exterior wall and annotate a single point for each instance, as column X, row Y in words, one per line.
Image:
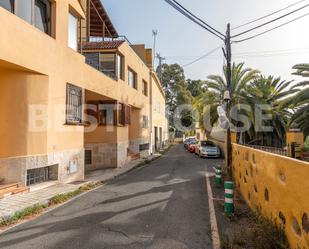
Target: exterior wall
column 40, row 67
column 14, row 169
column 276, row 185
column 158, row 111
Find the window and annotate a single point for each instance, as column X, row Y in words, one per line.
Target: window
column 107, row 64
column 92, row 59
column 145, row 122
column 23, row 9
column 74, row 104
column 123, row 114
column 145, row 88
column 39, row 175
column 88, row 157
column 207, row 143
column 7, row 4
column 120, row 67
column 132, row 78
column 42, row 15
column 35, row 12
column 72, row 39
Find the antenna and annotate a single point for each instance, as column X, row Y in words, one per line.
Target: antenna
column 154, row 34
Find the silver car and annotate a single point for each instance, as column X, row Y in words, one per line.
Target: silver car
column 207, row 149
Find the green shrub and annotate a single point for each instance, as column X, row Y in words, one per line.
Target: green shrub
column 27, row 212
column 60, row 198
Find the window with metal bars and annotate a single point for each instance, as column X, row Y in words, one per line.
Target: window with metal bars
column 74, row 105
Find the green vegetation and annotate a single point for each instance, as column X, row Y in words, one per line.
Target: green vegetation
column 38, row 209
column 254, row 231
column 180, row 91
column 24, row 214
column 288, row 101
column 60, row 198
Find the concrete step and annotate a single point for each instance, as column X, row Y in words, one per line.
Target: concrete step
column 11, row 189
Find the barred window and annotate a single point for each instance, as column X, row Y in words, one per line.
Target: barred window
column 74, row 104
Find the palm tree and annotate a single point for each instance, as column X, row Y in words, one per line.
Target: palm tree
column 301, row 100
column 207, row 103
column 276, row 95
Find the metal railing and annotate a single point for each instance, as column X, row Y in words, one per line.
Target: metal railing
column 274, row 150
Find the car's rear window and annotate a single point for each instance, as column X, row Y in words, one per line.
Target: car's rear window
column 207, row 143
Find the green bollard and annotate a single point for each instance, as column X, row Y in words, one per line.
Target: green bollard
column 218, row 179
column 229, row 198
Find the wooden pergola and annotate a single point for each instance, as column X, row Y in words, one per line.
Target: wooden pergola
column 98, row 22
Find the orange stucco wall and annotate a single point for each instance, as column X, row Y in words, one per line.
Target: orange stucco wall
column 19, row 90
column 276, row 185
column 33, row 50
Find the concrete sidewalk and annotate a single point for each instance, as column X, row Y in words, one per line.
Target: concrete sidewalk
column 15, row 203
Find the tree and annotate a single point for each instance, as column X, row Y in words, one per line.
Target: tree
column 177, row 93
column 215, row 86
column 196, row 87
column 300, row 102
column 276, row 95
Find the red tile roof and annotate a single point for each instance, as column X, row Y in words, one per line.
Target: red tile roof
column 102, row 45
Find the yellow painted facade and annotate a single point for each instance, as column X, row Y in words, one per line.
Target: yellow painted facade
column 34, row 71
column 158, row 120
column 278, row 186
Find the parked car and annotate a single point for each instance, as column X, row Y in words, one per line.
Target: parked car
column 188, row 141
column 207, row 149
column 192, row 146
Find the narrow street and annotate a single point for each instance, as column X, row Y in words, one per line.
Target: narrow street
column 163, row 205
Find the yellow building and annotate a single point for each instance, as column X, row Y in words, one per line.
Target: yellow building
column 74, row 96
column 159, row 121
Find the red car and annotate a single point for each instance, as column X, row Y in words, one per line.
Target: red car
column 191, row 147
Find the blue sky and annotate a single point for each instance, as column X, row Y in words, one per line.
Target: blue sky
column 182, row 41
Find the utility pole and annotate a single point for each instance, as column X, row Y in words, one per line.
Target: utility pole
column 228, row 96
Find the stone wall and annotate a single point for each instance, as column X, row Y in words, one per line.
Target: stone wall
column 135, row 146
column 15, row 169
column 107, row 155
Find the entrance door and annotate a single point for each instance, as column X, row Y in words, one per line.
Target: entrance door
column 161, row 142
column 156, row 138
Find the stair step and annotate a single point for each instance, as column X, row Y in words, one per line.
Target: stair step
column 10, row 189
column 8, row 186
column 21, row 190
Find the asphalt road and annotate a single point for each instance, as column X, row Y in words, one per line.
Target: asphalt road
column 161, row 206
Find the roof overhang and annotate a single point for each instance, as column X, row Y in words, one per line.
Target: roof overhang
column 100, row 23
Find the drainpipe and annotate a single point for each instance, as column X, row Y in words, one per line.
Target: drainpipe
column 150, row 112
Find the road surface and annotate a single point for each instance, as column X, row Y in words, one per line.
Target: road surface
column 161, row 206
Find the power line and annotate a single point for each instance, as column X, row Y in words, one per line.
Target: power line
column 192, row 18
column 267, row 31
column 271, row 21
column 199, row 19
column 273, row 13
column 202, row 57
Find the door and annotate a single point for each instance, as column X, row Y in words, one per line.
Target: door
column 161, row 138
column 156, row 139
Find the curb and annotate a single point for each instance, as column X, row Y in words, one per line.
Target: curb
column 100, row 184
